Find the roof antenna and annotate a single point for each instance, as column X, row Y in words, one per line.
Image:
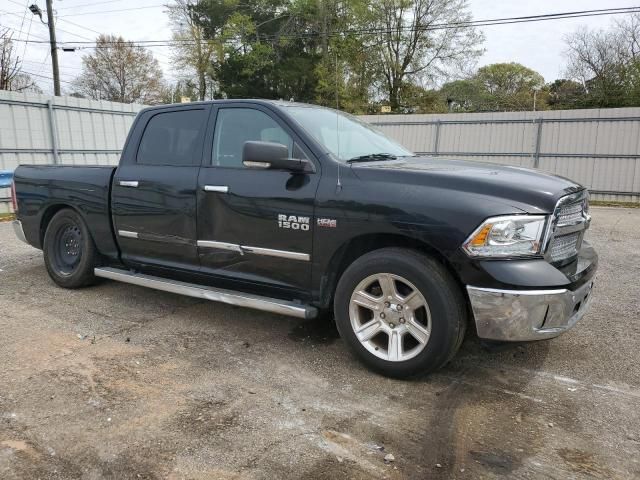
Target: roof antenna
column 339, row 184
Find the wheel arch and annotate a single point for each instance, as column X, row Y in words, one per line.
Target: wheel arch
column 354, row 248
column 48, row 215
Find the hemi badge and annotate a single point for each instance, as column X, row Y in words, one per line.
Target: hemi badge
column 327, row 222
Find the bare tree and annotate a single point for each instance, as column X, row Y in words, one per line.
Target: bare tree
column 120, row 71
column 11, row 75
column 628, row 32
column 193, row 52
column 412, row 47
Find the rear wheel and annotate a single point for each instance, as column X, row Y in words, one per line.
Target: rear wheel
column 70, row 254
column 400, row 311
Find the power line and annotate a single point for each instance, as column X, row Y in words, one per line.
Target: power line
column 58, row 29
column 40, row 64
column 20, row 32
column 24, row 16
column 24, row 50
column 89, row 4
column 111, row 11
column 44, row 76
column 375, row 31
column 77, row 25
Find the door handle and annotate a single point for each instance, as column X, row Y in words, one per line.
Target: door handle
column 216, row 188
column 129, row 183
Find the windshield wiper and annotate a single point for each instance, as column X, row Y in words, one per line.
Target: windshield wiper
column 372, row 157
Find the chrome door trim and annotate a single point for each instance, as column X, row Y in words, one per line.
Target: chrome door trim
column 222, row 245
column 277, row 253
column 127, row 234
column 128, row 183
column 242, row 249
column 216, row 188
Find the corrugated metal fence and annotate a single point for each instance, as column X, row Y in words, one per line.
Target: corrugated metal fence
column 598, row 148
column 40, row 129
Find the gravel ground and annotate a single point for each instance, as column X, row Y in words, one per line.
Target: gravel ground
column 118, row 381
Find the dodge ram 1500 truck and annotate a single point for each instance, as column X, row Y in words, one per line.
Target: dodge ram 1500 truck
column 297, row 209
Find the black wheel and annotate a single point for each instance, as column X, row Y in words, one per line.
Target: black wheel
column 400, row 311
column 69, row 252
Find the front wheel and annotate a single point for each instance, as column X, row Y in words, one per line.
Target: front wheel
column 400, row 311
column 70, row 254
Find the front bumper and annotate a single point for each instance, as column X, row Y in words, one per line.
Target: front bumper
column 525, row 315
column 17, row 229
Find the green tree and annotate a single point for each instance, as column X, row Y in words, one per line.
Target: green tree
column 463, row 95
column 351, row 53
column 511, row 86
column 566, row 94
column 411, row 48
column 193, row 54
column 498, row 87
column 265, row 51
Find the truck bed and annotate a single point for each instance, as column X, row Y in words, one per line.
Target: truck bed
column 43, row 189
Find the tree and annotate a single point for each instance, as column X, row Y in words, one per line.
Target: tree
column 607, row 63
column 11, row 75
column 511, row 86
column 349, row 53
column 463, row 95
column 347, row 73
column 566, row 94
column 412, row 47
column 173, row 93
column 120, row 71
column 498, row 87
column 193, row 53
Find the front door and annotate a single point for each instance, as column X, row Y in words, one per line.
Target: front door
column 255, row 226
column 154, row 190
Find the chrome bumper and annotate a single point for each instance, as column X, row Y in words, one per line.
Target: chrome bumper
column 525, row 315
column 17, row 228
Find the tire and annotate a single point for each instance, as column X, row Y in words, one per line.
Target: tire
column 422, row 290
column 70, row 254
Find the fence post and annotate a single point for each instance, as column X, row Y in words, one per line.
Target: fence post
column 436, row 140
column 536, row 155
column 54, row 132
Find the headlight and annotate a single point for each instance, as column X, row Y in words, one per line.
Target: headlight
column 508, row 236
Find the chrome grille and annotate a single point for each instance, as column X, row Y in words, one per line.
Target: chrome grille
column 564, row 247
column 570, row 213
column 570, row 220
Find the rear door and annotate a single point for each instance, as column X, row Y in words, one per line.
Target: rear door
column 154, row 189
column 254, row 225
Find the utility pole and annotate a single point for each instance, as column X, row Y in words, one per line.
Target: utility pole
column 54, row 49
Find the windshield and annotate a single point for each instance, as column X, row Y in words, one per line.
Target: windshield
column 344, row 135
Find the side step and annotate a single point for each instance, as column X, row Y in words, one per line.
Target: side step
column 231, row 297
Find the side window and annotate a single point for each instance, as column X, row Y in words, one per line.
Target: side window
column 234, row 126
column 172, row 138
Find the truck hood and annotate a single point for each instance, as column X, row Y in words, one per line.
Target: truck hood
column 530, row 190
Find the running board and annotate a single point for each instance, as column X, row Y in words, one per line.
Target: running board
column 231, row 297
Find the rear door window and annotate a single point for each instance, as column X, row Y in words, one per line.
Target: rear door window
column 173, row 138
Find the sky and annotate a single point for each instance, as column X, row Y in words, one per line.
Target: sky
column 539, row 45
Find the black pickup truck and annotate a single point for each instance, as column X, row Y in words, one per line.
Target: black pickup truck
column 299, row 210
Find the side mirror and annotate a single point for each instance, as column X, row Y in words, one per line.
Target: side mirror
column 274, row 156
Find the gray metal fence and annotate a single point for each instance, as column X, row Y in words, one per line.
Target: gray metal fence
column 39, row 129
column 598, row 148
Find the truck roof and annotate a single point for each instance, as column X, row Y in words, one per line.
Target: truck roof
column 277, row 103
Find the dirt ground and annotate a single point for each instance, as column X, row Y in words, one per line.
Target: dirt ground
column 117, row 381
